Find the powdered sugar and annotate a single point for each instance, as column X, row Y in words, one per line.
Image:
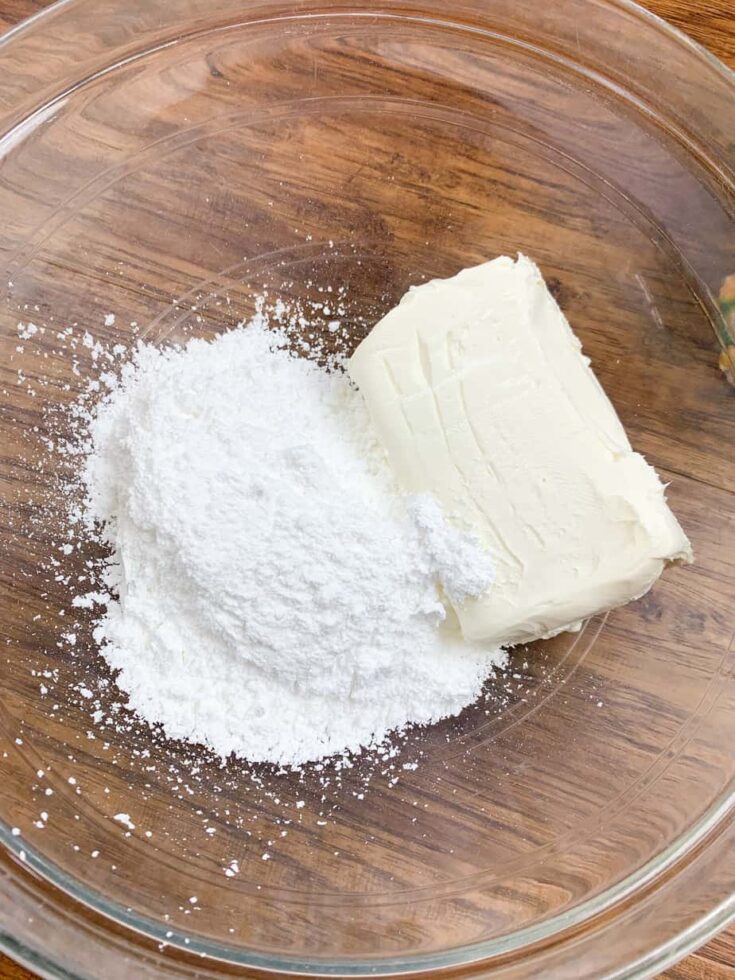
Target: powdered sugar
column 275, row 597
column 463, row 568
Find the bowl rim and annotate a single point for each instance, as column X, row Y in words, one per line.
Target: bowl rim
column 473, row 955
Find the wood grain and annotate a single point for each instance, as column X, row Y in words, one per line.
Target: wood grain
column 10, row 970
column 712, row 23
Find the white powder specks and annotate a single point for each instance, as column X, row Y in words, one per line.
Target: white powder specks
column 124, row 818
column 27, row 330
column 274, row 596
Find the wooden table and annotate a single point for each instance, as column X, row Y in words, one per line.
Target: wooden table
column 712, row 23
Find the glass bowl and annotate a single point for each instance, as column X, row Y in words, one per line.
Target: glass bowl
column 166, row 162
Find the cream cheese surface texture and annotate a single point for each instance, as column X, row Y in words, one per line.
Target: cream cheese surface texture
column 482, row 397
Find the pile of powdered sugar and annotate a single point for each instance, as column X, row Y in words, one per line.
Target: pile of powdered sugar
column 270, row 593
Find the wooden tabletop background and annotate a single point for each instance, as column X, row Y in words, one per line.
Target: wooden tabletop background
column 712, row 23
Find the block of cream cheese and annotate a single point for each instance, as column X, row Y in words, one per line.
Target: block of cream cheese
column 482, row 397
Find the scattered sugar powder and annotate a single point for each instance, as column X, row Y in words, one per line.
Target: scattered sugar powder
column 271, row 594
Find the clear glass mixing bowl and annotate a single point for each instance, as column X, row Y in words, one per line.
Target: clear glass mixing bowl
column 166, row 161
